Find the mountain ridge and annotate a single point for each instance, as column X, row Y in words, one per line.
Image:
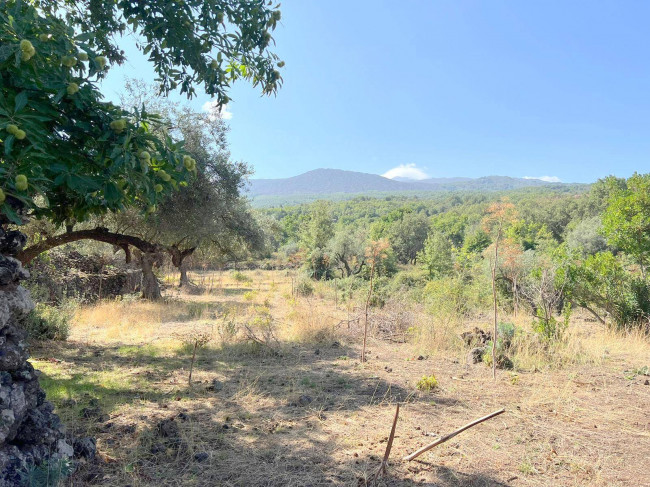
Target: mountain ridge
column 328, row 181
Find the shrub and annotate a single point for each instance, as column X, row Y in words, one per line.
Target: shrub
column 240, row 277
column 503, row 361
column 50, row 322
column 506, row 334
column 195, row 310
column 304, row 287
column 228, row 329
column 427, row 383
column 249, row 295
column 551, row 328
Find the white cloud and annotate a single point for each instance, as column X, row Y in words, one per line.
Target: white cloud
column 212, row 107
column 548, row 179
column 410, row 171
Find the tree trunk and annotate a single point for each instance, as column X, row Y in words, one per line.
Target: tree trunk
column 185, row 281
column 178, row 260
column 150, row 286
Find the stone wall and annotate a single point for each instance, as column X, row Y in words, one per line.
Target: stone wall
column 30, row 432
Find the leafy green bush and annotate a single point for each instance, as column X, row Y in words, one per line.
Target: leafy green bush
column 50, row 322
column 407, row 280
column 240, row 277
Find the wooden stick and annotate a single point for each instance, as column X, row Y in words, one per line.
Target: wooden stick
column 451, row 435
column 384, row 462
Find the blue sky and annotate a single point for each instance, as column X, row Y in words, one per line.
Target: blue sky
column 448, row 88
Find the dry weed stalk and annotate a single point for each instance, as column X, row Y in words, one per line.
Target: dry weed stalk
column 375, row 253
column 384, row 463
column 195, row 339
column 451, row 435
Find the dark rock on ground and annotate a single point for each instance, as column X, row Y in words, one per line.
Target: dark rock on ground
column 85, row 448
column 201, row 456
column 475, row 355
column 476, row 337
column 168, row 428
column 216, row 386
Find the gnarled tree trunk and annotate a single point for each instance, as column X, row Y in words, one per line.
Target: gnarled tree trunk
column 150, row 286
column 178, row 260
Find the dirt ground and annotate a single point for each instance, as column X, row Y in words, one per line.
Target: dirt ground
column 308, row 413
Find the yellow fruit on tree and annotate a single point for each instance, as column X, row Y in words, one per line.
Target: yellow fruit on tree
column 12, row 129
column 26, row 46
column 44, row 37
column 158, row 188
column 82, row 56
column 118, row 126
column 68, row 61
column 21, row 182
column 72, row 88
column 144, row 155
column 20, row 134
column 101, row 61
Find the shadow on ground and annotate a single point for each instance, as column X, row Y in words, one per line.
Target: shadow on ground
column 253, row 416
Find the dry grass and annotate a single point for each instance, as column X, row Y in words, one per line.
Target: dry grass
column 302, row 410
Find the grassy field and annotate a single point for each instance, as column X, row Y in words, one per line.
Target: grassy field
column 280, row 398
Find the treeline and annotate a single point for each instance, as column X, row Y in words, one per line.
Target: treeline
column 558, row 250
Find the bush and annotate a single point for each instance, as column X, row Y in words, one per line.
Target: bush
column 506, row 334
column 551, row 328
column 304, row 287
column 195, row 310
column 50, row 322
column 503, row 361
column 240, row 277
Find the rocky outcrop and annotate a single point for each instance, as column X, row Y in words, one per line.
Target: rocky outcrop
column 30, row 432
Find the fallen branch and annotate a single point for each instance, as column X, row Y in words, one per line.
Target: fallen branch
column 451, row 435
column 384, row 463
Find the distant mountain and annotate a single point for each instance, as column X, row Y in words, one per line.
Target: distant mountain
column 330, row 181
column 326, row 181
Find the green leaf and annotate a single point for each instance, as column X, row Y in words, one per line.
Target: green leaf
column 9, row 143
column 20, row 101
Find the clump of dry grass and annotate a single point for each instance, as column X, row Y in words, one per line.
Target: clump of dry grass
column 133, row 319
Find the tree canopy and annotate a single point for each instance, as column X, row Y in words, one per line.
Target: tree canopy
column 66, row 154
